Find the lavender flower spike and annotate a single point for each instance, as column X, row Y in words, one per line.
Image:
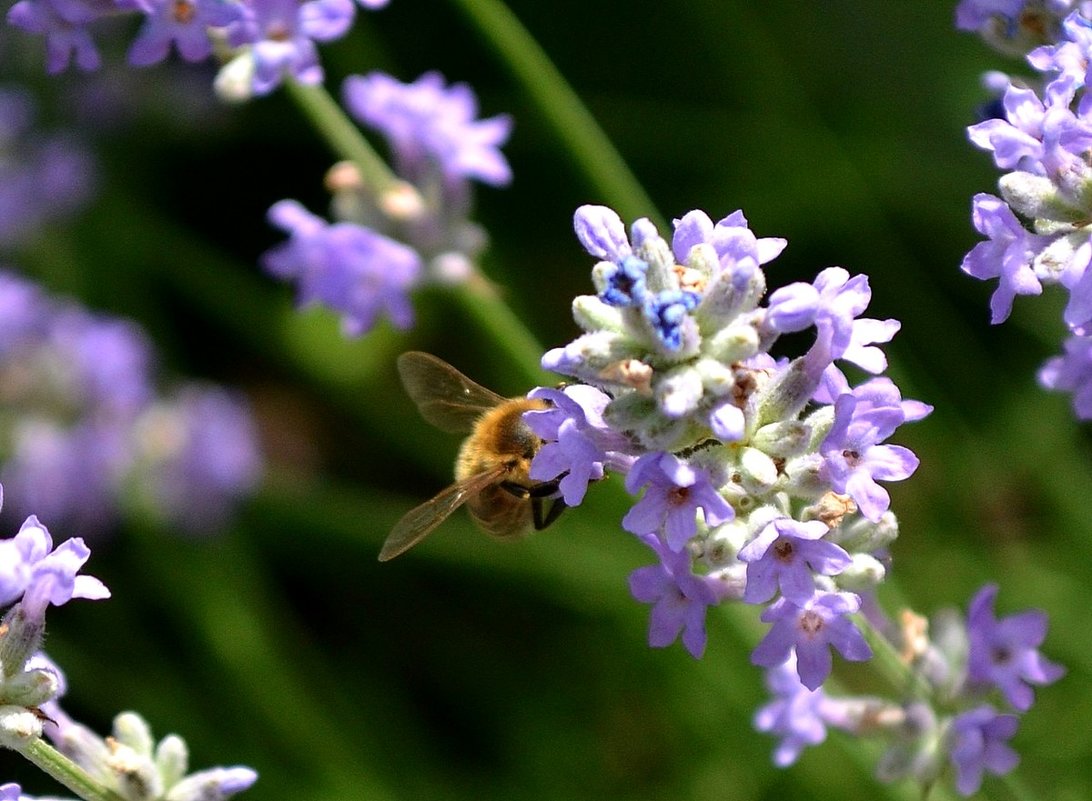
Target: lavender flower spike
column 808, row 630
column 1005, row 652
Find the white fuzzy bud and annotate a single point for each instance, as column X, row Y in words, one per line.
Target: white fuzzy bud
column 783, row 440
column 172, row 759
column 18, row 726
column 1035, row 196
column 235, row 80
column 592, row 314
column 757, row 470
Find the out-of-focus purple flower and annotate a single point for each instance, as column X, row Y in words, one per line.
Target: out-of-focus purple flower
column 970, row 15
column 795, row 715
column 184, row 23
column 43, row 175
column 579, row 444
column 676, row 490
column 428, row 123
column 109, row 360
column 68, row 473
column 1007, row 254
column 345, row 267
column 854, row 458
column 679, row 598
column 42, row 574
column 785, row 554
column 282, row 36
column 197, row 455
column 809, row 630
column 1005, row 652
column 23, row 312
column 1072, row 372
column 66, row 35
column 10, row 792
column 978, row 744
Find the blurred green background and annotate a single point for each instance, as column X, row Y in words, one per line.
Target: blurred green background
column 468, row 669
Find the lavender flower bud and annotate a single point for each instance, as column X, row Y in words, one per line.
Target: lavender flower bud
column 18, row 726
column 1036, row 196
column 783, row 440
column 865, row 572
column 861, row 535
column 32, row 687
column 757, row 471
column 172, row 759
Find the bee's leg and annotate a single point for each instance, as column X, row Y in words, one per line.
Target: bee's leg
column 541, row 492
column 541, row 520
column 537, row 494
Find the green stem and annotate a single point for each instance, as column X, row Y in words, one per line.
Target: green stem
column 570, row 119
column 344, row 138
column 67, row 772
column 887, row 662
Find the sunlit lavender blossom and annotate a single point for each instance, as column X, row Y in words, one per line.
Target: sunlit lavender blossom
column 855, row 459
column 785, row 556
column 579, row 443
column 675, row 491
column 38, row 575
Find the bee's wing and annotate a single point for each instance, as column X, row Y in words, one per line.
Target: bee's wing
column 416, row 524
column 445, row 397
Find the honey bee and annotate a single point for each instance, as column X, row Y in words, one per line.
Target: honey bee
column 491, row 471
